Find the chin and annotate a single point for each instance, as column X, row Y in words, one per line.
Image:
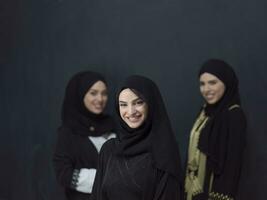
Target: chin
column 212, row 102
column 97, row 111
column 134, row 125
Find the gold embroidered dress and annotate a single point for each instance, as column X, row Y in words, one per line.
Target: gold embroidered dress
column 195, row 172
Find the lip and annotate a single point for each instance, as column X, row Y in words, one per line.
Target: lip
column 209, row 96
column 134, row 119
column 99, row 107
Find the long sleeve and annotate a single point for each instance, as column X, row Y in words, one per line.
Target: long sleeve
column 105, row 155
column 86, row 180
column 225, row 185
column 63, row 161
column 168, row 187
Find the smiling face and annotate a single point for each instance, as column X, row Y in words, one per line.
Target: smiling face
column 211, row 88
column 96, row 97
column 133, row 110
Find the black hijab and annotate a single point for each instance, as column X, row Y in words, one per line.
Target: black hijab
column 155, row 135
column 213, row 139
column 74, row 113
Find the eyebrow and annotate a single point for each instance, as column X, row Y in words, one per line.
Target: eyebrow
column 212, row 80
column 94, row 90
column 132, row 100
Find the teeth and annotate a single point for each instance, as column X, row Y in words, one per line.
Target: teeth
column 209, row 95
column 134, row 119
column 98, row 107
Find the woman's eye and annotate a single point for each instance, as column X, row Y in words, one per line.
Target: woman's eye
column 140, row 102
column 213, row 82
column 123, row 104
column 93, row 93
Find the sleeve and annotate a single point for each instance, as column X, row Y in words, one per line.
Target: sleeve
column 63, row 160
column 104, row 157
column 168, row 187
column 86, row 180
column 225, row 185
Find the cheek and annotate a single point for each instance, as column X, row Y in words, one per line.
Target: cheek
column 221, row 93
column 121, row 112
column 105, row 99
column 145, row 112
column 87, row 100
column 201, row 89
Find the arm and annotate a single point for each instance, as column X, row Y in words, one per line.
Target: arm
column 86, row 180
column 63, row 160
column 225, row 185
column 168, row 187
column 104, row 157
column 87, row 176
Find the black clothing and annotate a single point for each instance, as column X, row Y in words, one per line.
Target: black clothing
column 132, row 178
column 222, row 139
column 74, row 150
column 213, row 139
column 155, row 135
column 143, row 163
column 72, row 153
column 225, row 184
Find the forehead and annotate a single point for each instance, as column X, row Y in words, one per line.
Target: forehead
column 208, row 77
column 99, row 85
column 127, row 95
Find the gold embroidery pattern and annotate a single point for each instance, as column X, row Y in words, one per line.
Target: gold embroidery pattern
column 196, row 166
column 218, row 196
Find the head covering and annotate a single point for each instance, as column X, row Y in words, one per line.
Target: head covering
column 213, row 138
column 74, row 113
column 155, row 135
column 226, row 74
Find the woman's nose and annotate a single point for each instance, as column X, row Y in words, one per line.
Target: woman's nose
column 206, row 88
column 99, row 97
column 131, row 110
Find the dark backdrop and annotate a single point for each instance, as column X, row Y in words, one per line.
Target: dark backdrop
column 44, row 42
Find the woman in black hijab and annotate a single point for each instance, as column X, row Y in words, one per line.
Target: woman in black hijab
column 143, row 163
column 83, row 131
column 217, row 137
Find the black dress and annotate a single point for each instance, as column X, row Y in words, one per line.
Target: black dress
column 72, row 153
column 75, row 157
column 143, row 163
column 224, row 185
column 221, row 141
column 132, row 179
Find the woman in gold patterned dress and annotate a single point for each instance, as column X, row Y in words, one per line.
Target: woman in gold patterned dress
column 217, row 138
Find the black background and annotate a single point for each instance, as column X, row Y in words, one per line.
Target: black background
column 44, row 42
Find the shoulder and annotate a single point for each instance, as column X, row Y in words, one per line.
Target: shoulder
column 108, row 146
column 108, row 149
column 65, row 133
column 111, row 135
column 236, row 114
column 236, row 121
